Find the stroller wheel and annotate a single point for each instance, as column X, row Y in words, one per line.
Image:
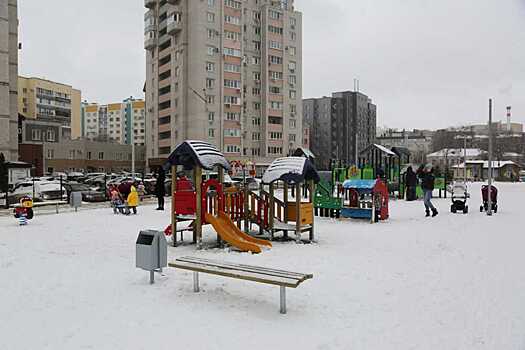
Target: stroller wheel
column 465, row 210
column 452, row 209
column 481, row 209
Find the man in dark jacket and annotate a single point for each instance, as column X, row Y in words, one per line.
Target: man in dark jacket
column 427, row 185
column 410, row 184
column 160, row 190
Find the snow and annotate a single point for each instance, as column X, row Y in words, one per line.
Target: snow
column 296, row 169
column 69, row 281
column 496, row 164
column 458, row 152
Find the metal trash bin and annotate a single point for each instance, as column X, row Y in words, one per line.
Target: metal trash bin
column 151, row 252
column 75, row 200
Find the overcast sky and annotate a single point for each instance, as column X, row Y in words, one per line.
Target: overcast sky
column 425, row 63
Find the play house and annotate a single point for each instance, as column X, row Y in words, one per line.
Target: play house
column 365, row 199
column 205, row 202
column 291, row 216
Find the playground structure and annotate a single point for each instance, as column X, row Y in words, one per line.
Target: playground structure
column 24, row 211
column 365, row 199
column 232, row 211
column 291, row 171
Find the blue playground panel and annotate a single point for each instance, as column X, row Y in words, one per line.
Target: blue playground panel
column 356, row 213
column 360, row 185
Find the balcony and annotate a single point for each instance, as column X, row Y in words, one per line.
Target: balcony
column 149, row 3
column 174, row 23
column 150, row 40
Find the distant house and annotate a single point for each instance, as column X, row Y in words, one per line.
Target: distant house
column 478, row 170
column 455, row 156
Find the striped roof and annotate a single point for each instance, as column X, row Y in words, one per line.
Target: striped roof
column 291, row 170
column 193, row 152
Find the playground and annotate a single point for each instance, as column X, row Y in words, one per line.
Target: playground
column 408, row 282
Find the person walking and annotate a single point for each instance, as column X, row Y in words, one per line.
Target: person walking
column 133, row 201
column 427, row 185
column 160, row 190
column 411, row 184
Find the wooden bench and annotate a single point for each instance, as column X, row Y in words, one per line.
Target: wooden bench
column 283, row 279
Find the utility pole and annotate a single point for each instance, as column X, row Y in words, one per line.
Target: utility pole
column 489, row 208
column 132, row 128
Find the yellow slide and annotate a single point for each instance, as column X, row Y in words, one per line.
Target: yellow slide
column 232, row 235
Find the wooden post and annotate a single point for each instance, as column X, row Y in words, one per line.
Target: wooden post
column 173, row 212
column 285, row 198
column 271, row 210
column 312, row 194
column 221, row 181
column 298, row 211
column 198, row 220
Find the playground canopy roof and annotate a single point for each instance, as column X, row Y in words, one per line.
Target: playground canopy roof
column 291, row 170
column 193, row 153
column 401, row 151
column 381, row 148
column 304, row 152
column 360, row 185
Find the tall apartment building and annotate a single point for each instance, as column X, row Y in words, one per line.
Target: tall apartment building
column 339, row 127
column 118, row 122
column 225, row 71
column 49, row 101
column 8, row 79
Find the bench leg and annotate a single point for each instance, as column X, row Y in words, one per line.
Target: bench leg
column 196, row 282
column 283, row 300
column 152, row 277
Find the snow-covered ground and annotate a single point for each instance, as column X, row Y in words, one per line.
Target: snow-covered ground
column 69, row 281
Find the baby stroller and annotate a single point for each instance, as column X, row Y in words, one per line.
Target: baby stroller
column 485, row 197
column 459, row 198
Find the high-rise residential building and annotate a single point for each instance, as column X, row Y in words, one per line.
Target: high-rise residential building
column 49, row 101
column 225, row 71
column 121, row 122
column 8, row 79
column 339, row 127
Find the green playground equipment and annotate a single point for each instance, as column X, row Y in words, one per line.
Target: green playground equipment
column 325, row 204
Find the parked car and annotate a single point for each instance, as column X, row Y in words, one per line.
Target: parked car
column 88, row 194
column 43, row 191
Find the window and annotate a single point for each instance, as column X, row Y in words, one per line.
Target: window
column 50, row 153
column 232, row 52
column 276, row 75
column 257, row 76
column 275, row 59
column 232, row 35
column 256, row 15
column 293, row 108
column 257, row 106
column 210, row 83
column 232, row 68
column 256, row 121
column 292, row 79
column 36, row 135
column 256, row 30
column 293, row 94
column 276, row 105
column 232, row 116
column 211, row 132
column 275, row 120
column 256, row 60
column 256, row 136
column 210, row 66
column 51, row 135
column 233, row 149
column 293, row 21
column 275, row 30
column 211, row 33
column 233, row 84
column 292, row 123
column 233, row 100
column 210, row 99
column 256, row 45
column 275, row 90
column 274, row 14
column 292, row 50
column 232, row 132
column 232, row 3
column 211, row 17
column 211, row 50
column 256, row 91
column 72, row 154
column 211, row 3
column 293, row 36
column 89, row 155
column 232, row 20
column 276, row 45
column 101, row 155
column 291, row 137
column 292, row 66
column 256, row 151
column 276, row 135
column 275, row 150
column 211, row 116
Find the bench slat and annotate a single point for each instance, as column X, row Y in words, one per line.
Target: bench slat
column 243, row 275
column 248, row 268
